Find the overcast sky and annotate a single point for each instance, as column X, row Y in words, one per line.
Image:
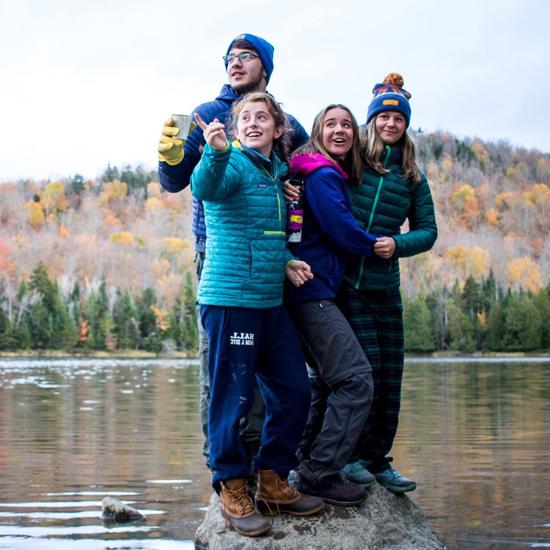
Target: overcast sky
column 86, row 83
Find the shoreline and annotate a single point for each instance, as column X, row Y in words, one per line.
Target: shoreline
column 141, row 354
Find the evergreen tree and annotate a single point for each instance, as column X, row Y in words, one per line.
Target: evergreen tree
column 7, row 338
column 437, row 304
column 95, row 312
column 126, row 324
column 495, row 329
column 522, row 324
column 461, row 329
column 471, row 298
column 183, row 317
column 418, row 326
column 149, row 332
column 489, row 292
column 542, row 303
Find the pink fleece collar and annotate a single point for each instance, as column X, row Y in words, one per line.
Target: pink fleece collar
column 306, row 163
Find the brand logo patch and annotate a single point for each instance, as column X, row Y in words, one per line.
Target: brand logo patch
column 390, row 102
column 242, row 339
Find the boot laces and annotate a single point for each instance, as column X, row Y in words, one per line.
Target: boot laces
column 286, row 488
column 241, row 500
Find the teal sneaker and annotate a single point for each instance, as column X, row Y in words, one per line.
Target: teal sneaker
column 357, row 473
column 393, row 481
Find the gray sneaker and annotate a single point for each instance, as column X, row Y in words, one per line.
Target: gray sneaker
column 357, row 473
column 393, row 481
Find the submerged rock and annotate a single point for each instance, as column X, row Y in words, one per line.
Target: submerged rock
column 383, row 521
column 112, row 510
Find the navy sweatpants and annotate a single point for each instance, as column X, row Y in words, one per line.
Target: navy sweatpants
column 248, row 345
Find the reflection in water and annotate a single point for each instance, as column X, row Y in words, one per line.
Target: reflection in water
column 475, row 436
column 71, row 430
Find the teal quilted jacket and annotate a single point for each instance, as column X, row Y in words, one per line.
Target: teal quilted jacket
column 245, row 217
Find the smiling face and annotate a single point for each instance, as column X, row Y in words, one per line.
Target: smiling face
column 337, row 133
column 246, row 76
column 390, row 126
column 256, row 127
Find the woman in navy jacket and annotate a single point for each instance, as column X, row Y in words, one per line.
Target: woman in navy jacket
column 340, row 373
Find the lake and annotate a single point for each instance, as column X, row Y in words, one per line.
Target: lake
column 474, row 434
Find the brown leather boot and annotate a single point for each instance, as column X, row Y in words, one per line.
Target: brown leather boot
column 275, row 495
column 238, row 510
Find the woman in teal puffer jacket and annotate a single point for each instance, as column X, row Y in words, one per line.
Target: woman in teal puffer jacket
column 393, row 190
column 249, row 331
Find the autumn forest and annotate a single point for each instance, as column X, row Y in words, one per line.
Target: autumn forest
column 107, row 264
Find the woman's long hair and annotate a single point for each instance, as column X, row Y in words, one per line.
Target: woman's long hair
column 353, row 161
column 372, row 150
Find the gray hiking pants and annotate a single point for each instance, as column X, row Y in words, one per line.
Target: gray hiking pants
column 341, row 388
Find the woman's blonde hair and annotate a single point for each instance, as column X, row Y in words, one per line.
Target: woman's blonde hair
column 372, row 150
column 315, row 143
column 280, row 145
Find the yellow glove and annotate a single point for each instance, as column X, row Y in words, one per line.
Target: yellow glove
column 170, row 149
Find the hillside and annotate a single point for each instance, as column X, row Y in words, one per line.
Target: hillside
column 123, row 234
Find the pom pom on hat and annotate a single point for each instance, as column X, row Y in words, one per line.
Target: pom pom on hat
column 263, row 48
column 394, row 78
column 390, row 96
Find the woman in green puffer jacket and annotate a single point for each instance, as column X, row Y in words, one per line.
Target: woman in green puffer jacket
column 392, row 190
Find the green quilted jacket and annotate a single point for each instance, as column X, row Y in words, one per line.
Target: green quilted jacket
column 381, row 204
column 245, row 217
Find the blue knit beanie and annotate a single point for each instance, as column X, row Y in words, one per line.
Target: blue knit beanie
column 390, row 96
column 261, row 46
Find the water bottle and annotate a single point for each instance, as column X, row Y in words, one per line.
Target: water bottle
column 295, row 217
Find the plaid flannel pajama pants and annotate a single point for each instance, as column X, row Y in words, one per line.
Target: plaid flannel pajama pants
column 377, row 319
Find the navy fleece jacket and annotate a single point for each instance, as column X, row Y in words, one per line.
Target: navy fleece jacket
column 329, row 233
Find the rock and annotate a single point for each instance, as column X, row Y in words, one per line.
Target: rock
column 384, row 520
column 115, row 511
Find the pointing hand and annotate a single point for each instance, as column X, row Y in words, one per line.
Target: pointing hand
column 214, row 133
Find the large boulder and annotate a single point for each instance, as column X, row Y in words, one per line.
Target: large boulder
column 384, row 520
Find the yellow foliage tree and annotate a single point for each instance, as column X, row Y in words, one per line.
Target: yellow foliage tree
column 153, row 203
column 63, row 232
column 162, row 318
column 505, row 199
column 524, row 273
column 111, row 218
column 53, row 198
column 480, row 152
column 537, row 194
column 492, row 217
column 122, row 237
column 112, row 191
column 175, row 245
column 469, row 261
column 36, row 217
column 466, row 204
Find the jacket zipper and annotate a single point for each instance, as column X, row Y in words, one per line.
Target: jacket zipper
column 278, row 204
column 374, row 205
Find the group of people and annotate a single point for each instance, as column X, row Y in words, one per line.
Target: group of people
column 301, row 343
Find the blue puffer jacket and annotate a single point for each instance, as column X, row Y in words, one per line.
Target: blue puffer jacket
column 245, row 215
column 176, row 178
column 330, row 233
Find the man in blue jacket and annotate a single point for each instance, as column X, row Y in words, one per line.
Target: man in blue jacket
column 249, row 64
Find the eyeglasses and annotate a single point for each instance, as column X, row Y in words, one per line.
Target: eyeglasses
column 243, row 57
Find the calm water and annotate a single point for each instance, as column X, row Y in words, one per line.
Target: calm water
column 475, row 436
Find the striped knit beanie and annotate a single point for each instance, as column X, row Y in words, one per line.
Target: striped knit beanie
column 390, row 96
